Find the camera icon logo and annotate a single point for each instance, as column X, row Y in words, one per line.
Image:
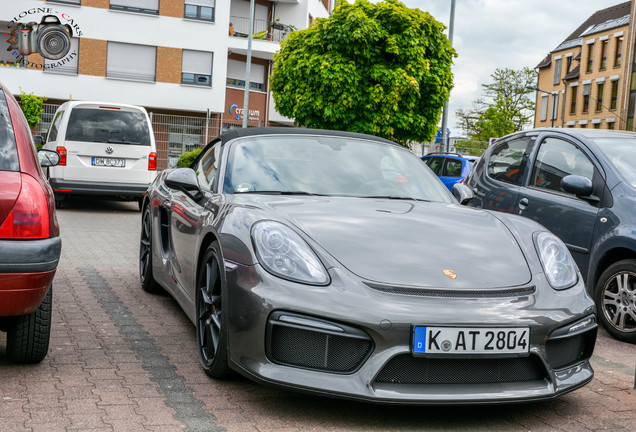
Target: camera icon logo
column 50, row 38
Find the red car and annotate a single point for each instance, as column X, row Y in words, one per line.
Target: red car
column 30, row 243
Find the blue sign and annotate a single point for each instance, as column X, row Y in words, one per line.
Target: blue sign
column 438, row 137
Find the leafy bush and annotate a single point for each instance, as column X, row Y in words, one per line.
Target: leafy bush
column 32, row 107
column 186, row 159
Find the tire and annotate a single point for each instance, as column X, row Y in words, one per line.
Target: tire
column 28, row 335
column 140, row 202
column 211, row 316
column 148, row 282
column 616, row 300
column 58, row 203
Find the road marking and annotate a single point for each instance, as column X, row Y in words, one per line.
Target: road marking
column 189, row 410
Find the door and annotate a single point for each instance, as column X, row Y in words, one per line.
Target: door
column 572, row 219
column 496, row 181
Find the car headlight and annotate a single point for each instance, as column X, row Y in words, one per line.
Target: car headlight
column 285, row 254
column 558, row 265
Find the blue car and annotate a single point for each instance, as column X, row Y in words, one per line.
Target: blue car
column 451, row 168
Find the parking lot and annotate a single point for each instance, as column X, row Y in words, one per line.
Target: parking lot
column 124, row 360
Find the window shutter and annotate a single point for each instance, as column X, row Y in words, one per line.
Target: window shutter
column 130, row 61
column 197, row 62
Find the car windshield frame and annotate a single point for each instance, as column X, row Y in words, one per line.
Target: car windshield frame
column 327, row 165
column 9, row 160
column 617, row 150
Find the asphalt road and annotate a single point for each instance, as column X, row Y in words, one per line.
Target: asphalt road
column 124, row 360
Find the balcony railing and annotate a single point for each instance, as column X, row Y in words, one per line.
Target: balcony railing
column 263, row 29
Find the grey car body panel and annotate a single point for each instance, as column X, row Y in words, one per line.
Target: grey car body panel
column 350, row 298
column 30, row 256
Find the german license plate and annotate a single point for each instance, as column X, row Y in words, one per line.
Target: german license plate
column 470, row 340
column 109, row 162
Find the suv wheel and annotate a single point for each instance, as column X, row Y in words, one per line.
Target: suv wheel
column 616, row 300
column 28, row 335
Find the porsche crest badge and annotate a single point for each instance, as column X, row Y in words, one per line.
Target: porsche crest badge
column 450, row 274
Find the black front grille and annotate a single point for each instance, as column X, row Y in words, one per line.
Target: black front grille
column 455, row 294
column 309, row 348
column 406, row 369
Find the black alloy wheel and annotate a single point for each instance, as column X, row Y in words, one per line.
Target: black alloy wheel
column 211, row 319
column 148, row 282
column 616, row 300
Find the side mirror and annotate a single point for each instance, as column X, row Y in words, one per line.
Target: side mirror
column 577, row 185
column 463, row 193
column 38, row 140
column 184, row 179
column 48, row 158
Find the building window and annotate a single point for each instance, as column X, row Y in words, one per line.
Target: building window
column 557, row 71
column 614, row 98
column 199, row 9
column 67, row 64
column 236, row 75
column 196, row 68
column 611, row 125
column 573, row 100
column 586, row 97
column 554, row 107
column 543, row 114
column 618, row 54
column 568, row 64
column 132, row 62
column 604, row 54
column 600, row 88
column 141, row 6
column 590, row 57
column 597, row 125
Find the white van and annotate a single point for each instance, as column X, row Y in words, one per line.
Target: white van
column 107, row 151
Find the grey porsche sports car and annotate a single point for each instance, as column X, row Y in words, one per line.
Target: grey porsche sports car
column 337, row 263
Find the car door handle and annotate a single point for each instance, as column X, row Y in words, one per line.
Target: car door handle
column 523, row 203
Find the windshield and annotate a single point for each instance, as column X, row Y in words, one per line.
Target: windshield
column 108, row 126
column 334, row 166
column 622, row 154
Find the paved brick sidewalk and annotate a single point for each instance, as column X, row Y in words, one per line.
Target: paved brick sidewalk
column 124, row 360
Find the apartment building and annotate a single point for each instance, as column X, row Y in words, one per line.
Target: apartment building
column 183, row 60
column 586, row 81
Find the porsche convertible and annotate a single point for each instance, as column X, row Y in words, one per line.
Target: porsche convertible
column 337, row 263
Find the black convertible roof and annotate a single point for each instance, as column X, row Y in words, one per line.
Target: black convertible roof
column 245, row 132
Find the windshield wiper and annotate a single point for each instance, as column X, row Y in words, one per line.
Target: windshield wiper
column 276, row 192
column 393, row 197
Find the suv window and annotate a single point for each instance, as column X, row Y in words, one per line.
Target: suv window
column 435, row 164
column 508, row 161
column 108, row 126
column 8, row 150
column 452, row 168
column 52, row 136
column 556, row 159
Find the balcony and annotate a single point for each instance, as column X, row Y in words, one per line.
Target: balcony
column 263, row 29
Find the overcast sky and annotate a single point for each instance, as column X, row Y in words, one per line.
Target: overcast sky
column 512, row 34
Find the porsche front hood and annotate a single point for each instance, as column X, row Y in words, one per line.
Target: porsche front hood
column 411, row 243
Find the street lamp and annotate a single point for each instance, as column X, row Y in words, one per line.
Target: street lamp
column 554, row 107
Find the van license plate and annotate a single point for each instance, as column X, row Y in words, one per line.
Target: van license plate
column 471, row 340
column 109, row 162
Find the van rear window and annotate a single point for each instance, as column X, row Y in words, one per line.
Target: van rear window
column 108, row 126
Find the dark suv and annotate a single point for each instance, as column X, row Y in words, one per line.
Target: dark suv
column 451, row 168
column 29, row 237
column 581, row 185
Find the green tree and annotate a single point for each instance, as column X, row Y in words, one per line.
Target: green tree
column 186, row 159
column 32, row 107
column 506, row 109
column 377, row 68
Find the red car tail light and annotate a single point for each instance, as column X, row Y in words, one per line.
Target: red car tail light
column 29, row 218
column 152, row 161
column 62, row 151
